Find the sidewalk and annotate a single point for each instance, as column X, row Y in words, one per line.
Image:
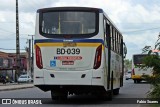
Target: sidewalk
column 14, row 86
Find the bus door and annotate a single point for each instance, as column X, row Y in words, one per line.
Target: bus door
column 108, row 40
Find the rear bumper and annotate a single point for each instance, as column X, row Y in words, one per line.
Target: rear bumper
column 136, row 76
column 77, row 89
column 141, row 77
column 87, row 78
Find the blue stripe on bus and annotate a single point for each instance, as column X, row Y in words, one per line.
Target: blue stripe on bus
column 73, row 40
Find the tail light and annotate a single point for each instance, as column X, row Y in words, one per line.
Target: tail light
column 133, row 73
column 98, row 55
column 38, row 57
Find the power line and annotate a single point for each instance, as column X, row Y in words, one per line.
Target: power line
column 10, row 38
column 15, row 22
column 137, row 23
column 11, row 32
column 6, row 30
column 9, row 49
column 141, row 30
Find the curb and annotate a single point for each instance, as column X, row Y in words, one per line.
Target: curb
column 16, row 88
column 7, row 84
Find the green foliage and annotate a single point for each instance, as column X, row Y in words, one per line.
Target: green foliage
column 155, row 92
column 153, row 61
column 128, row 63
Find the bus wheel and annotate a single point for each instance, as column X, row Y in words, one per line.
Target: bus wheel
column 105, row 96
column 110, row 93
column 116, row 91
column 57, row 95
column 135, row 81
column 138, row 81
column 54, row 96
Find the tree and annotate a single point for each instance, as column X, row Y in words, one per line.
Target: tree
column 153, row 61
column 128, row 64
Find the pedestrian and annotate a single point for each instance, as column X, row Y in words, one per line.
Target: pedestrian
column 4, row 79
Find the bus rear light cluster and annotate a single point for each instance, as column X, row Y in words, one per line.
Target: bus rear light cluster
column 98, row 55
column 38, row 57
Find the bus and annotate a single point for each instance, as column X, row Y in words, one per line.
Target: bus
column 138, row 73
column 78, row 50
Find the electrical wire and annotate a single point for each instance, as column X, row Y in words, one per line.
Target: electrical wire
column 141, row 30
column 6, row 30
column 9, row 49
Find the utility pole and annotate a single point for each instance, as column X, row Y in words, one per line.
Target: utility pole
column 29, row 57
column 32, row 58
column 17, row 44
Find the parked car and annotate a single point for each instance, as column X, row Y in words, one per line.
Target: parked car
column 128, row 75
column 25, row 79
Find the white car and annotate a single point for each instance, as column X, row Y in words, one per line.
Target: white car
column 128, row 75
column 24, row 78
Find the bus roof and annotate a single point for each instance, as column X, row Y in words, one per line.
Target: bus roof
column 112, row 22
column 69, row 8
column 139, row 54
column 79, row 8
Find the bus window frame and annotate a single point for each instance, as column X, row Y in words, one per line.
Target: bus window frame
column 62, row 36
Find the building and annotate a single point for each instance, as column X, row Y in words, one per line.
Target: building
column 8, row 63
column 8, row 60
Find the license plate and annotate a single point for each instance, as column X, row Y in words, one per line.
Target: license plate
column 67, row 62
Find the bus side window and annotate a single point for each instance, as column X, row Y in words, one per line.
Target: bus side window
column 116, row 41
column 111, row 36
column 112, row 39
column 121, row 42
column 108, row 34
column 105, row 33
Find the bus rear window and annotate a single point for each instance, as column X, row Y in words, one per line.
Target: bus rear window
column 138, row 59
column 68, row 23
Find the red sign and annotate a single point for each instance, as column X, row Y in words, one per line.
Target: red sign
column 68, row 58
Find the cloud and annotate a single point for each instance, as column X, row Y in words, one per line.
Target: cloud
column 128, row 15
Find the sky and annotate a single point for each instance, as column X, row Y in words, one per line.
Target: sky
column 137, row 20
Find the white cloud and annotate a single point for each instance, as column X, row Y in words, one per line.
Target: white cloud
column 128, row 15
column 2, row 19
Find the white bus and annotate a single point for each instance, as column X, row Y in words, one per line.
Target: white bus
column 78, row 50
column 138, row 72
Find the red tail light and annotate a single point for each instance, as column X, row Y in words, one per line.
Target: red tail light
column 133, row 73
column 38, row 57
column 98, row 55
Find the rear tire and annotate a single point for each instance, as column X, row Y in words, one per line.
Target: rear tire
column 105, row 96
column 54, row 97
column 59, row 95
column 110, row 93
column 116, row 91
column 135, row 81
column 138, row 81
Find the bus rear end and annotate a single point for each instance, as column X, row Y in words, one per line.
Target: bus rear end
column 138, row 72
column 68, row 51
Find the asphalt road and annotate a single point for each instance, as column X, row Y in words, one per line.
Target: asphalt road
column 128, row 92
